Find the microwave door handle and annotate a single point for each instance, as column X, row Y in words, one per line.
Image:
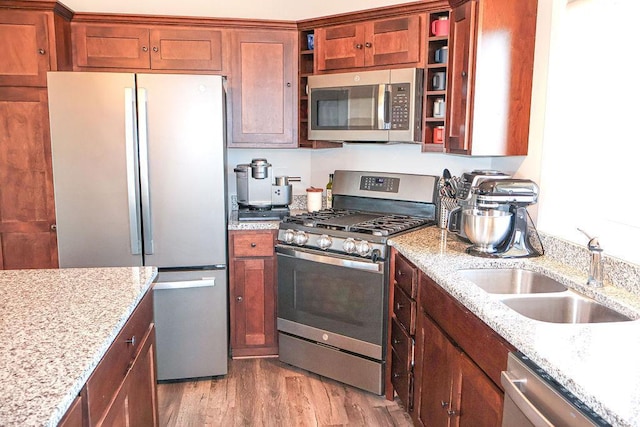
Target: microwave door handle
column 383, row 108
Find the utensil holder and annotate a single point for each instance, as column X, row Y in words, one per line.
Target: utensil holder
column 445, row 205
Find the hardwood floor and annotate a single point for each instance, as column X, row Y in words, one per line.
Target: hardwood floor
column 266, row 392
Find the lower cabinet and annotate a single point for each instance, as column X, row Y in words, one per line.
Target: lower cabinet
column 122, row 389
column 453, row 377
column 252, row 293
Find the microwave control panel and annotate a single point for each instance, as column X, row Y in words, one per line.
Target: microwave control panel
column 379, row 183
column 400, row 101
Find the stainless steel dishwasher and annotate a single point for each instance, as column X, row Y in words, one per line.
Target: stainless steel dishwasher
column 533, row 398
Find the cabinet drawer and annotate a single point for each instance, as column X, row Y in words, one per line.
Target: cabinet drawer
column 112, row 369
column 402, row 380
column 406, row 276
column 253, row 244
column 402, row 344
column 404, row 309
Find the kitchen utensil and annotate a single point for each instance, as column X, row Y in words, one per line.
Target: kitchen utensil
column 486, row 228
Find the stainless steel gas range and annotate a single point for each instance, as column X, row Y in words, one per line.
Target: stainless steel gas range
column 333, row 274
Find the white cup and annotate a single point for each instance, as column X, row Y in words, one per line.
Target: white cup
column 438, row 107
column 314, row 199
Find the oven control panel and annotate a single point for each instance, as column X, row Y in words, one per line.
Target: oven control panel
column 379, row 183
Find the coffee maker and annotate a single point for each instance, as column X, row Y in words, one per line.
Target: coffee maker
column 259, row 197
column 498, row 223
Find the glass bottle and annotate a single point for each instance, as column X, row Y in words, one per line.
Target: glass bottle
column 329, row 193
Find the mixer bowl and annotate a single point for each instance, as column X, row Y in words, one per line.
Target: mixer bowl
column 486, row 229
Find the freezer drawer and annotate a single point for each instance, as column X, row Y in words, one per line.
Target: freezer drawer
column 190, row 313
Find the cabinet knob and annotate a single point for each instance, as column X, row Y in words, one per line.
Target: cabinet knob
column 397, row 375
column 444, row 404
column 452, row 413
column 399, row 306
column 400, row 273
column 367, row 44
column 131, row 340
column 155, row 48
column 396, row 341
column 358, row 45
column 42, row 51
column 253, row 245
column 53, row 227
column 288, row 84
column 144, row 48
column 239, row 299
column 464, row 74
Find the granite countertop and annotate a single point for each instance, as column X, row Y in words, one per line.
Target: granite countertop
column 235, row 224
column 56, row 325
column 597, row 362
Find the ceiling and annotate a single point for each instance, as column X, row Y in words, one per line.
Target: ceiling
column 251, row 9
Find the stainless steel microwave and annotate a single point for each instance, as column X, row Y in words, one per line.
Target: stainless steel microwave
column 367, row 106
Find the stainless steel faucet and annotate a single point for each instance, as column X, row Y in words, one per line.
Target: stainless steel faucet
column 595, row 267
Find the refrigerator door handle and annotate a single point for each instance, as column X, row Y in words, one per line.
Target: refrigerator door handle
column 135, row 233
column 143, row 136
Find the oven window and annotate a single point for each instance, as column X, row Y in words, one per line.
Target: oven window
column 342, row 300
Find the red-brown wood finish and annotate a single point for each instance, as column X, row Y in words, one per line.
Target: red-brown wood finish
column 111, row 46
column 27, row 211
column 73, row 417
column 264, row 89
column 252, row 293
column 186, row 49
column 483, row 34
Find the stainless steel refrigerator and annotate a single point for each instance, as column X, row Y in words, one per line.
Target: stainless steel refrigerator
column 139, row 179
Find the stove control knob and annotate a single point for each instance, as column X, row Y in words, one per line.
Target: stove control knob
column 300, row 238
column 324, row 242
column 288, row 236
column 349, row 245
column 363, row 248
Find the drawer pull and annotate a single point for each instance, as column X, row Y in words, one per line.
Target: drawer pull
column 397, row 375
column 131, row 340
column 396, row 341
column 399, row 306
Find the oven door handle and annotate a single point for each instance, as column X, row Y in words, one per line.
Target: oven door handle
column 324, row 259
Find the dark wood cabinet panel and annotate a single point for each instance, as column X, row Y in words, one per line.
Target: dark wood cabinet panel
column 480, row 400
column 252, row 293
column 390, row 41
column 27, row 211
column 264, row 88
column 490, row 76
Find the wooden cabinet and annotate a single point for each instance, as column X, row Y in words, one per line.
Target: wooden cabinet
column 446, row 372
column 122, row 389
column 489, row 81
column 402, row 329
column 389, row 41
column 263, row 88
column 252, row 293
column 138, row 47
column 73, row 417
column 33, row 42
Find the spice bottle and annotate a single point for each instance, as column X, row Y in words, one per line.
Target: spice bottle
column 329, row 193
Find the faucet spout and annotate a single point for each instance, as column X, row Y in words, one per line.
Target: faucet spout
column 596, row 274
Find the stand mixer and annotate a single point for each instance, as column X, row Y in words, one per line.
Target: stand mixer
column 498, row 223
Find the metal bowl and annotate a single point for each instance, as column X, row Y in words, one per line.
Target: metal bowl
column 486, row 229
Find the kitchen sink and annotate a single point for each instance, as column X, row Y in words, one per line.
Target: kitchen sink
column 512, row 281
column 564, row 308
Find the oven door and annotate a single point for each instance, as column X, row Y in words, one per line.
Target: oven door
column 331, row 299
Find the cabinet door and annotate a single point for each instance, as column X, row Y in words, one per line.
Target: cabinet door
column 253, row 300
column 263, row 85
column 24, row 48
column 340, row 47
column 111, row 46
column 27, row 213
column 480, row 401
column 434, row 362
column 393, row 41
column 460, row 78
column 186, row 49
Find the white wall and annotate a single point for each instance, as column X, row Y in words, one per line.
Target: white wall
column 263, row 9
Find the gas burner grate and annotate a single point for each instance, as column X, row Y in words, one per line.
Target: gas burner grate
column 388, row 225
column 314, row 219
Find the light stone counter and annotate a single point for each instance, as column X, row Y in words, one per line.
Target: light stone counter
column 235, row 224
column 55, row 326
column 599, row 363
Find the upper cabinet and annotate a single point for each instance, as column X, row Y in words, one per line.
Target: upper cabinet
column 382, row 42
column 489, row 80
column 140, row 47
column 263, row 89
column 33, row 42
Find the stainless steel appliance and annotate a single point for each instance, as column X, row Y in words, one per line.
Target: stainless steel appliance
column 259, row 198
column 333, row 274
column 465, row 197
column 498, row 224
column 139, row 179
column 532, row 398
column 372, row 106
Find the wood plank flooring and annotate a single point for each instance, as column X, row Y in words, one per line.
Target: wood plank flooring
column 266, row 392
